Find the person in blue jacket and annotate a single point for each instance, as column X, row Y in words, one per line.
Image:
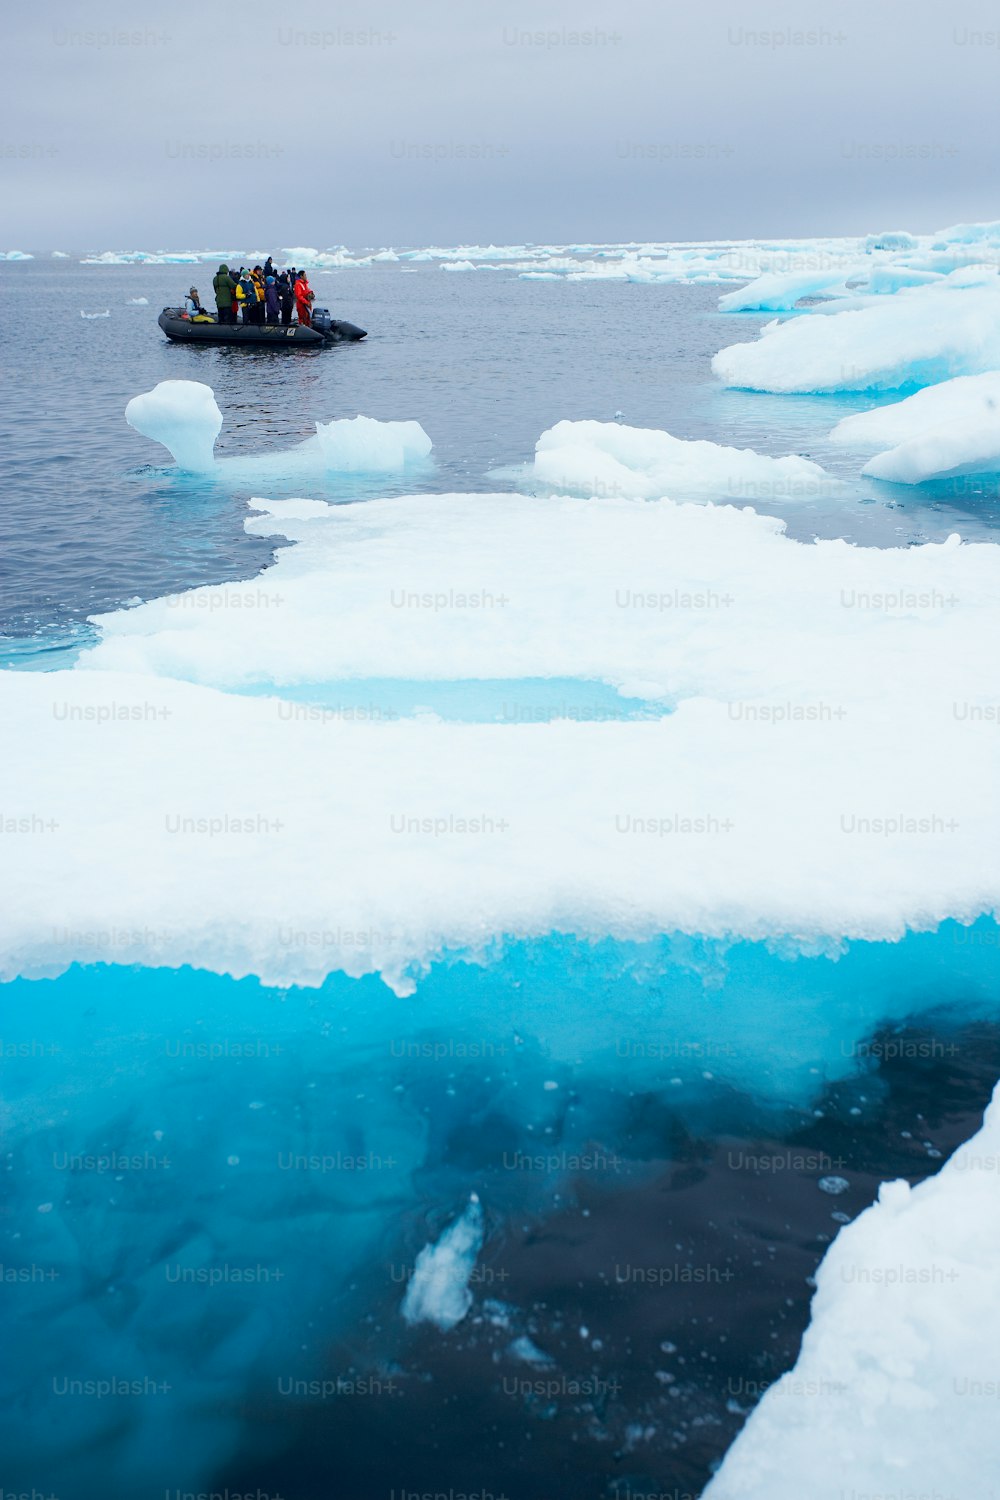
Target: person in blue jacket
column 272, row 309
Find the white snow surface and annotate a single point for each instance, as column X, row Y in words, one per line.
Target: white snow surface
column 183, row 416
column 895, row 1390
column 815, row 686
column 946, row 429
column 438, row 1291
column 608, row 458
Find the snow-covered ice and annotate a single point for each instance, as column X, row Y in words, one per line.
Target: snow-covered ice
column 608, row 458
column 353, row 445
column 946, row 429
column 183, row 416
column 895, row 1390
column 916, row 337
column 845, row 683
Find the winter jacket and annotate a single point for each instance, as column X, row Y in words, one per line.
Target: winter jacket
column 224, row 286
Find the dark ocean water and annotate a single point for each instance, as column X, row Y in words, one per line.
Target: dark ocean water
column 669, row 1279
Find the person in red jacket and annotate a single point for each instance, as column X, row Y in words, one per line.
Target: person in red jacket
column 304, row 297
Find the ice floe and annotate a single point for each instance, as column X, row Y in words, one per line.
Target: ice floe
column 895, row 1390
column 946, row 429
column 916, row 337
column 802, row 791
column 608, row 458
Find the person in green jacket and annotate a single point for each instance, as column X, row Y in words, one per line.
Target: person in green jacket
column 225, row 290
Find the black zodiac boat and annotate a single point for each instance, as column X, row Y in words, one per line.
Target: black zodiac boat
column 324, row 330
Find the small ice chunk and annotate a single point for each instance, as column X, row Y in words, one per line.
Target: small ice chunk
column 833, row 1185
column 524, row 1349
column 438, row 1291
column 183, row 416
column 361, row 445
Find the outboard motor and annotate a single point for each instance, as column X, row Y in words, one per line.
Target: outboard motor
column 335, row 329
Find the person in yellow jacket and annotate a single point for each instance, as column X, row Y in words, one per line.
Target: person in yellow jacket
column 246, row 293
column 257, row 276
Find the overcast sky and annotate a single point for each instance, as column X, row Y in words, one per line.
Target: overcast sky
column 432, row 121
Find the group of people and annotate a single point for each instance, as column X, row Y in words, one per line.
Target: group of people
column 263, row 295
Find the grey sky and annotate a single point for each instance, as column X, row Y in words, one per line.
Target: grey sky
column 457, row 122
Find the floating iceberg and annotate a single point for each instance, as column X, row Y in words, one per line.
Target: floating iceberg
column 919, row 336
column 779, row 291
column 438, row 1291
column 183, row 416
column 608, row 459
column 105, row 314
column 138, row 302
column 356, row 445
column 895, row 1390
column 15, row 255
column 944, row 430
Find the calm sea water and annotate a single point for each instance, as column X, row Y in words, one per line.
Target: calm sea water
column 92, row 514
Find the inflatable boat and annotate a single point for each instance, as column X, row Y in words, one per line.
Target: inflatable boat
column 325, row 330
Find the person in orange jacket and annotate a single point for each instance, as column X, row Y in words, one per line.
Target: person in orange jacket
column 304, row 297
